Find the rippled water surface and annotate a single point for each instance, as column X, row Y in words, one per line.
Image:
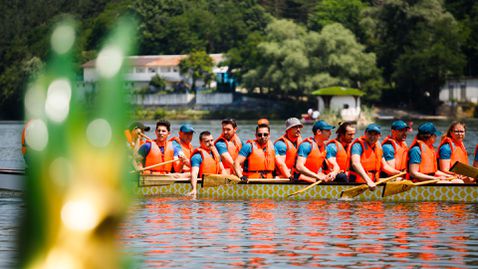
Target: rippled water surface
column 178, row 232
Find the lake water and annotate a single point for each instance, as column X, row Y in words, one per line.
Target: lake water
column 179, row 232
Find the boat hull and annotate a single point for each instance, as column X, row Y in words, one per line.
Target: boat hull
column 442, row 193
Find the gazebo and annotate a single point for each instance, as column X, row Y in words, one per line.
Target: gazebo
column 344, row 100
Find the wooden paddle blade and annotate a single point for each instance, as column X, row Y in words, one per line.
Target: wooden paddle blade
column 392, row 188
column 213, row 180
column 354, row 191
column 464, row 169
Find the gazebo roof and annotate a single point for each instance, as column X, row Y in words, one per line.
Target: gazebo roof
column 338, row 91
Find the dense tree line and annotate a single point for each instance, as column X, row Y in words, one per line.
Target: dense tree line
column 400, row 50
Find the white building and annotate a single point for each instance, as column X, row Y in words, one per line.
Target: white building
column 460, row 90
column 345, row 101
column 144, row 68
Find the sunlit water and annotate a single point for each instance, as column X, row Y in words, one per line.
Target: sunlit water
column 177, row 232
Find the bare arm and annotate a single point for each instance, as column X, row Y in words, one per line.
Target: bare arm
column 227, row 159
column 389, row 167
column 414, row 173
column 280, row 163
column 194, row 179
column 300, row 166
column 238, row 165
column 444, row 166
column 357, row 166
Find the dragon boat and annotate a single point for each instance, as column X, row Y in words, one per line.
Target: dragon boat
column 168, row 185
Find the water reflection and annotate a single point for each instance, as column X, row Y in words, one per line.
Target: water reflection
column 178, row 232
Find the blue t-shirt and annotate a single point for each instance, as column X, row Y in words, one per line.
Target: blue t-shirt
column 177, row 146
column 415, row 155
column 476, row 156
column 331, row 151
column 388, row 152
column 146, row 147
column 280, row 147
column 304, row 149
column 246, row 150
column 356, row 149
column 444, row 152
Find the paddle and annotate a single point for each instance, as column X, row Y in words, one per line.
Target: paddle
column 153, row 166
column 464, row 169
column 392, row 188
column 306, row 188
column 354, row 191
column 215, row 180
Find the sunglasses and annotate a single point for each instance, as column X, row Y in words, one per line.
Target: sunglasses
column 262, row 135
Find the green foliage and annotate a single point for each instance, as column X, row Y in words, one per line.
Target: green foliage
column 197, row 65
column 158, row 82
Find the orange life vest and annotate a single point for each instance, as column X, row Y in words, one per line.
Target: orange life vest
column 209, row 164
column 24, row 144
column 155, row 156
column 233, row 147
column 316, row 157
column 371, row 160
column 401, row 152
column 187, row 149
column 261, row 162
column 429, row 158
column 342, row 157
column 458, row 152
column 291, row 151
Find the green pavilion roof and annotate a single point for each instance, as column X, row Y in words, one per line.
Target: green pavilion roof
column 338, row 91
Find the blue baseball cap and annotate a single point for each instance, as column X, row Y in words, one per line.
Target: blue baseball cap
column 321, row 125
column 399, row 125
column 187, row 128
column 373, row 127
column 428, row 128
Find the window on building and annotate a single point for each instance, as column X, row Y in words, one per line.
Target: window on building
column 152, row 70
column 139, row 69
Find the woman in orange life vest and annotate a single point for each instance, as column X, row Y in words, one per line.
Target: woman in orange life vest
column 452, row 149
column 256, row 156
column 422, row 160
column 160, row 150
column 366, row 157
column 286, row 148
column 336, row 157
column 183, row 144
column 395, row 149
column 311, row 154
column 204, row 160
column 228, row 144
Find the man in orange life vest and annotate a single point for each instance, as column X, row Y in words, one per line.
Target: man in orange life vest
column 336, row 157
column 286, row 148
column 160, row 150
column 228, row 144
column 257, row 156
column 311, row 154
column 366, row 157
column 395, row 149
column 204, row 160
column 422, row 158
column 183, row 145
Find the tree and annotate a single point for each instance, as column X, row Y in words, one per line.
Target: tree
column 197, row 65
column 158, row 82
column 418, row 46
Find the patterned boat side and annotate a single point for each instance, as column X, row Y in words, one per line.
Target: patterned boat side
column 444, row 192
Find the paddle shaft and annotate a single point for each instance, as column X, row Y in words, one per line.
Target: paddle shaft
column 426, row 182
column 155, row 165
column 355, row 191
column 390, row 178
column 306, row 188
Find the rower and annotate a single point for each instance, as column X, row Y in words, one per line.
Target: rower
column 256, row 156
column 228, row 144
column 366, row 157
column 182, row 143
column 422, row 159
column 452, row 149
column 135, row 135
column 160, row 150
column 286, row 147
column 204, row 160
column 337, row 159
column 395, row 149
column 311, row 154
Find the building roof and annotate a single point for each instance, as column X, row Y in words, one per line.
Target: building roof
column 158, row 60
column 334, row 91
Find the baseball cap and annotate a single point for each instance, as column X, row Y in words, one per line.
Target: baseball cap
column 321, row 125
column 139, row 125
column 399, row 125
column 428, row 128
column 187, row 128
column 373, row 127
column 292, row 122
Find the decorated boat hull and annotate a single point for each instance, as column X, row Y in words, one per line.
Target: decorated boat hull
column 438, row 192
